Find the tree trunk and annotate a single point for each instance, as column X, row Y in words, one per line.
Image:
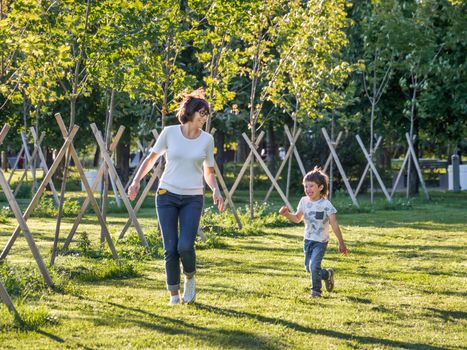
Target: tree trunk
column 270, row 145
column 220, row 140
column 97, row 156
column 123, row 160
column 240, row 154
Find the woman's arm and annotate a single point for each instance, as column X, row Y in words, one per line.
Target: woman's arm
column 147, row 165
column 210, row 178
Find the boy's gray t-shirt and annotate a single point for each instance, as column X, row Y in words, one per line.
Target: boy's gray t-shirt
column 316, row 217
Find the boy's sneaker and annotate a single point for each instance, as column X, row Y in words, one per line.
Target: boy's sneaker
column 329, row 283
column 189, row 291
column 315, row 294
column 174, row 300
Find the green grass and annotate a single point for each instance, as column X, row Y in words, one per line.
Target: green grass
column 403, row 286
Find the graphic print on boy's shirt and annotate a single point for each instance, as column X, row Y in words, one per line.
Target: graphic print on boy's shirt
column 316, row 217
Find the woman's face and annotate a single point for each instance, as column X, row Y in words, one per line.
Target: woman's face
column 200, row 118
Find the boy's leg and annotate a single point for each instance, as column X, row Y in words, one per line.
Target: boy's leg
column 307, row 253
column 167, row 213
column 317, row 274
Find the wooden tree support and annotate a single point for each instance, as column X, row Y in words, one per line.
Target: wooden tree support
column 226, row 191
column 15, row 166
column 367, row 167
column 37, row 144
column 98, row 178
column 373, row 167
column 157, row 171
column 295, row 151
column 118, row 183
column 145, row 153
column 90, row 194
column 339, row 167
column 410, row 153
column 7, row 301
column 335, row 144
column 283, row 163
column 245, row 166
column 268, row 173
column 22, row 220
column 30, row 161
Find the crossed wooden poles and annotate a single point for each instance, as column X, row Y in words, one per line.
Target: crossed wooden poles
column 32, row 245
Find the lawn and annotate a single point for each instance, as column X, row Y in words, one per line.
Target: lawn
column 403, row 286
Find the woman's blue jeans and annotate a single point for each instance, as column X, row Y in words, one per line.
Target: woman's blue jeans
column 314, row 253
column 179, row 217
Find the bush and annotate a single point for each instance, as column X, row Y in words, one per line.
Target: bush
column 46, row 208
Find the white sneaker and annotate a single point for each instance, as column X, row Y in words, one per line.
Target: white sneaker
column 174, row 300
column 189, row 291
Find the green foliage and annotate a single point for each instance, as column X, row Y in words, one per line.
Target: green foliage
column 21, row 281
column 102, row 269
column 32, row 318
column 47, row 208
column 131, row 248
column 5, row 212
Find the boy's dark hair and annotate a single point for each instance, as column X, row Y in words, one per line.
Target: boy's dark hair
column 192, row 103
column 320, row 178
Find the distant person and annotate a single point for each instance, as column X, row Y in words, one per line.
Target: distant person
column 318, row 213
column 189, row 154
column 281, row 153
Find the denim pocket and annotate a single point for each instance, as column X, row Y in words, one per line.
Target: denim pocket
column 319, row 215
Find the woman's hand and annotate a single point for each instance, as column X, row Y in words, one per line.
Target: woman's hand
column 217, row 199
column 133, row 190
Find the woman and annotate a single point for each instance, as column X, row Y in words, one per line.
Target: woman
column 189, row 154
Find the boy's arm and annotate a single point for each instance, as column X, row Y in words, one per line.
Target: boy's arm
column 337, row 231
column 294, row 217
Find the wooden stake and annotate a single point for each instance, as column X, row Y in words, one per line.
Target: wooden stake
column 283, row 163
column 226, row 191
column 15, row 166
column 38, row 142
column 22, row 223
column 362, row 178
column 268, row 173
column 113, row 172
column 336, row 143
column 245, row 166
column 89, row 192
column 339, row 167
column 156, row 173
column 98, row 178
column 7, row 300
column 373, row 167
column 295, row 151
column 417, row 166
column 39, row 191
column 30, row 159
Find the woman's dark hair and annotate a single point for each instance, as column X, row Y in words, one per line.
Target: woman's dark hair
column 192, row 103
column 320, row 178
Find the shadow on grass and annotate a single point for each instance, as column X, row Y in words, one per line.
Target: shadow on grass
column 50, row 336
column 448, row 315
column 325, row 332
column 223, row 337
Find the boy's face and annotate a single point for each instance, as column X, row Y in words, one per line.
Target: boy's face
column 312, row 190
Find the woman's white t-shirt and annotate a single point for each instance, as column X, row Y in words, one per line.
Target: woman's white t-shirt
column 185, row 157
